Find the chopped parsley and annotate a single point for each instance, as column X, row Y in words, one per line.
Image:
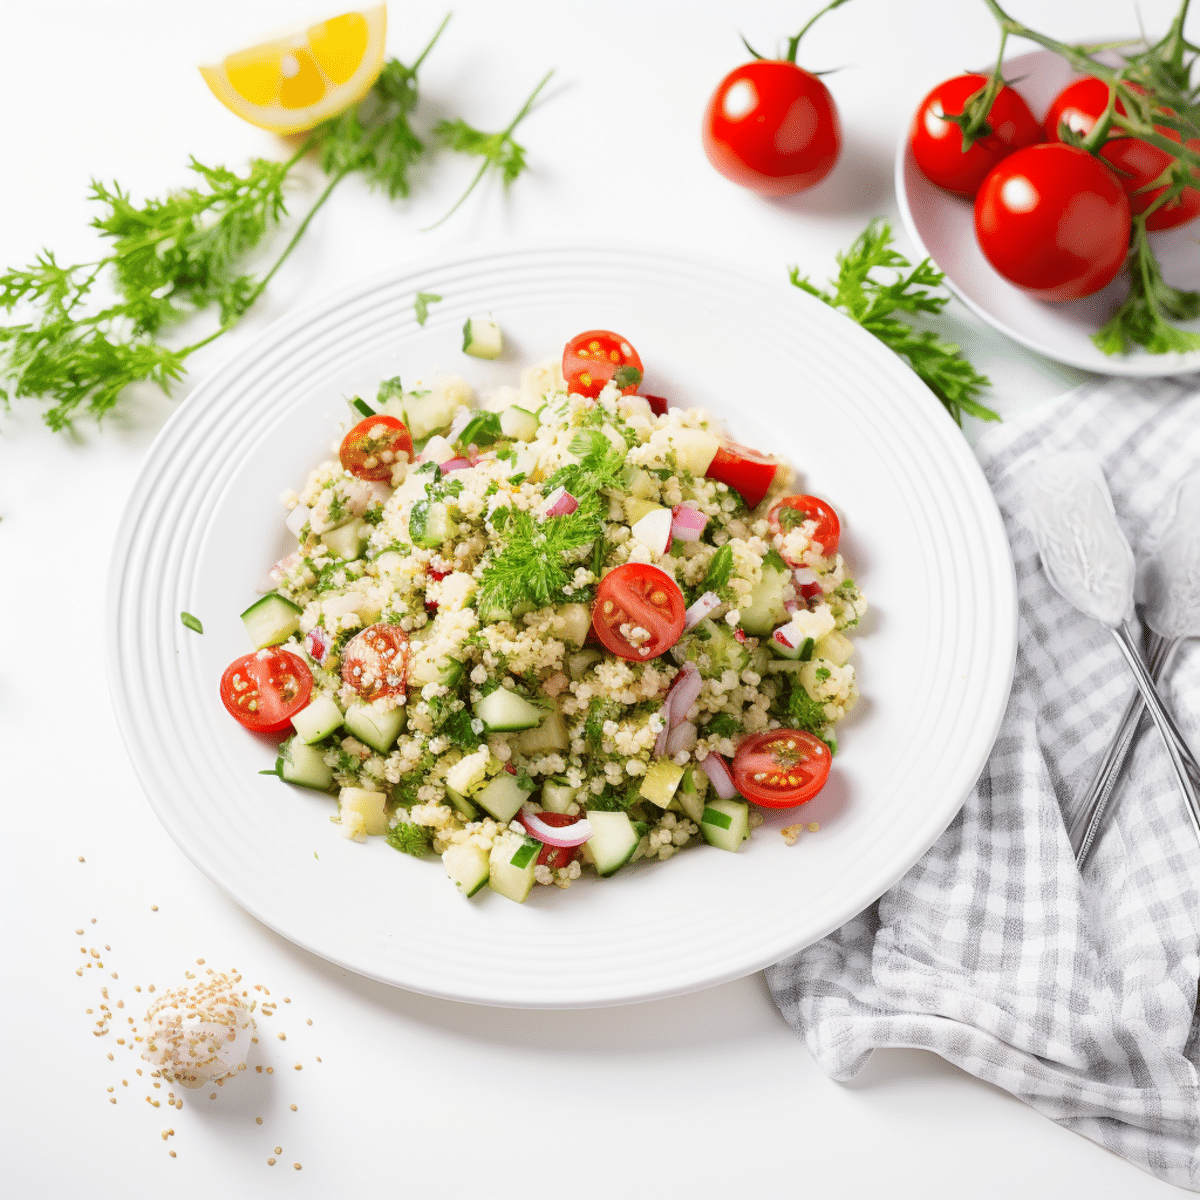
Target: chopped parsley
column 193, row 623
column 389, row 389
column 722, row 725
column 801, row 711
column 422, row 303
column 483, row 429
column 457, row 727
column 410, row 839
column 789, row 518
column 720, row 570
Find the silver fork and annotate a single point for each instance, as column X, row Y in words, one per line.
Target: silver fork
column 1093, row 809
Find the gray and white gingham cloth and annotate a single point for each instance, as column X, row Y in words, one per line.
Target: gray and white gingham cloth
column 1076, row 994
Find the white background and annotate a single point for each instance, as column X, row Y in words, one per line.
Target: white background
column 704, row 1095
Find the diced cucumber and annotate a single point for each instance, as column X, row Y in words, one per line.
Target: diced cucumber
column 468, row 866
column 317, row 720
column 725, row 823
column 304, row 765
column 690, row 793
column 518, row 423
column 636, row 508
column 577, row 620
column 468, row 775
column 714, row 648
column 551, row 734
column 836, row 647
column 482, row 338
column 557, row 796
column 512, row 874
column 660, row 781
column 378, row 729
column 271, row 620
column 577, row 664
column 785, row 666
column 503, row 796
column 694, row 449
column 464, row 806
column 348, row 541
column 430, row 524
column 426, row 665
column 503, row 711
column 613, row 840
column 643, row 486
column 765, row 609
column 426, row 412
column 800, row 652
column 362, row 812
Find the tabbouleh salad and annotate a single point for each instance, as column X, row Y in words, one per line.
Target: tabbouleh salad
column 566, row 627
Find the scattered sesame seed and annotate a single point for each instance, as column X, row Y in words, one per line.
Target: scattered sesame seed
column 287, row 999
column 309, row 1021
column 299, row 1067
column 112, row 1099
column 110, row 1089
column 270, row 1162
column 107, row 946
column 199, row 962
column 80, row 932
column 278, row 1149
column 110, row 1058
column 154, row 908
column 318, row 1058
column 293, row 1108
column 296, row 1165
column 93, row 920
column 171, row 1153
column 282, row 1037
column 81, row 858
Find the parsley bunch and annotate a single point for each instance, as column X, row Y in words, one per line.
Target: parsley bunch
column 872, row 302
column 93, row 329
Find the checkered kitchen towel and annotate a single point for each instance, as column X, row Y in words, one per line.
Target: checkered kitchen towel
column 1078, row 995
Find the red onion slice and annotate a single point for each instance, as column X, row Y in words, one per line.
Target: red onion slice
column 717, row 770
column 687, row 523
column 660, row 742
column 685, row 691
column 455, row 464
column 707, row 603
column 567, row 836
column 316, row 642
column 682, row 737
column 560, row 503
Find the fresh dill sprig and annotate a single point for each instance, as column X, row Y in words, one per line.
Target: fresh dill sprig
column 499, row 151
column 872, row 302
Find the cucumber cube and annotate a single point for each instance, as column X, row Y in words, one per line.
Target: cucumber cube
column 725, row 823
column 482, row 338
column 348, row 541
column 271, row 620
column 518, row 423
column 304, row 765
column 660, row 781
column 511, row 873
column 362, row 812
column 613, row 842
column 503, row 796
column 551, row 734
column 557, row 796
column 503, row 711
column 319, row 719
column 378, row 729
column 467, row 866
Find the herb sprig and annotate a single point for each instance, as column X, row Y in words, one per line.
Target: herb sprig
column 88, row 331
column 873, row 303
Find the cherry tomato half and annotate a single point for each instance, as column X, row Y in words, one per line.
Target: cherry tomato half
column 375, row 662
column 592, row 358
column 1137, row 163
column 557, row 857
column 781, row 767
column 772, row 127
column 638, row 595
column 937, row 143
column 746, row 471
column 807, row 508
column 370, row 449
column 658, row 404
column 1054, row 220
column 264, row 690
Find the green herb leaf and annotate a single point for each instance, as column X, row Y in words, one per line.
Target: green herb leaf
column 422, row 303
column 720, row 570
column 363, row 407
column 191, row 622
column 389, row 389
column 483, row 429
column 872, row 302
column 410, row 839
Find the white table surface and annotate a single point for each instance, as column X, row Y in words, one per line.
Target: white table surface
column 707, row 1095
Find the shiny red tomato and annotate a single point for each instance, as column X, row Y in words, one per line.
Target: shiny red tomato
column 266, row 689
column 772, row 127
column 807, row 508
column 370, row 449
column 1054, row 220
column 658, row 404
column 592, row 358
column 557, row 857
column 375, row 662
column 746, row 471
column 937, row 143
column 638, row 596
column 781, row 767
column 1137, row 163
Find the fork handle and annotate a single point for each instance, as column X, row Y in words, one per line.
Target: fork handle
column 1093, row 810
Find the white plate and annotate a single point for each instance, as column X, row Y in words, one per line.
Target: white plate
column 942, row 225
column 922, row 533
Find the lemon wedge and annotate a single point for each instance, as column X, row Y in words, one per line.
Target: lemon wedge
column 294, row 82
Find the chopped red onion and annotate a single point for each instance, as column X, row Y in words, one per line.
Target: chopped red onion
column 567, row 836
column 560, row 503
column 660, row 742
column 274, row 577
column 455, row 464
column 316, row 642
column 707, row 603
column 717, row 770
column 782, row 638
column 685, row 691
column 297, row 518
column 682, row 737
column 687, row 523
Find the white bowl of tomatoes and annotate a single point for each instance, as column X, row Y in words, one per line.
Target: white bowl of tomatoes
column 943, row 225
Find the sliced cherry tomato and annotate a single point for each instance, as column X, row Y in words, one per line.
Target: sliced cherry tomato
column 1054, row 220
column 807, row 508
column 638, row 596
column 658, row 404
column 592, row 358
column 264, row 690
column 1137, row 163
column 772, row 127
column 557, row 857
column 375, row 662
column 781, row 767
column 745, row 470
column 371, row 448
column 937, row 143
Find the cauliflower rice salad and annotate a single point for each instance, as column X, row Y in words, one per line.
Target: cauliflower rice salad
column 566, row 627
